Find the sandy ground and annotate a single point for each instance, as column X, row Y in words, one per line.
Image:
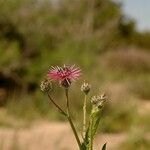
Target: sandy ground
column 50, row 136
column 144, row 107
column 56, row 136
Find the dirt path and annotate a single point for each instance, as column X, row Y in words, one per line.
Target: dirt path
column 50, row 136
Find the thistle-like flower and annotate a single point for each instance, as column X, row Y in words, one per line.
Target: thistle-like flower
column 99, row 100
column 85, row 87
column 65, row 75
column 46, row 85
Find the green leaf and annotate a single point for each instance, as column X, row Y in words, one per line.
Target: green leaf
column 95, row 121
column 104, row 146
column 93, row 126
column 83, row 146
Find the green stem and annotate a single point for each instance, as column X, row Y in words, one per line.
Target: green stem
column 67, row 115
column 84, row 116
column 67, row 102
column 74, row 131
column 91, row 138
column 56, row 105
column 70, row 120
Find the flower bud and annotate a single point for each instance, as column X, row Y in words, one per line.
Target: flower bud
column 46, row 85
column 85, row 87
column 98, row 100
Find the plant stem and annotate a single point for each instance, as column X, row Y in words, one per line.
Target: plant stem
column 70, row 120
column 91, row 138
column 56, row 105
column 67, row 102
column 84, row 116
column 74, row 131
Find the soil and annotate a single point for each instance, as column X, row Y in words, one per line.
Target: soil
column 50, row 136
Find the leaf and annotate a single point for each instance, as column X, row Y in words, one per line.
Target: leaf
column 95, row 122
column 95, row 119
column 83, row 146
column 104, row 146
column 92, row 129
column 86, row 141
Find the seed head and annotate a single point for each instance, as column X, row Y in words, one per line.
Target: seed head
column 46, row 85
column 98, row 100
column 85, row 87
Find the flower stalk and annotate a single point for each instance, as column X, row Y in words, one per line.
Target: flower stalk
column 70, row 119
column 85, row 88
column 84, row 116
column 67, row 101
column 74, row 131
column 56, row 105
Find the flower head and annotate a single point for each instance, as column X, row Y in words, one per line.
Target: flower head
column 98, row 100
column 65, row 75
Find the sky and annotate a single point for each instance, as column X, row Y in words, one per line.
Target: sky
column 139, row 10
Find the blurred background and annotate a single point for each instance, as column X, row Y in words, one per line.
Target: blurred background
column 108, row 39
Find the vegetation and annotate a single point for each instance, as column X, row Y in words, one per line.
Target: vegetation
column 92, row 34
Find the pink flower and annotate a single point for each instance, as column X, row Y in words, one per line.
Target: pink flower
column 65, row 75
